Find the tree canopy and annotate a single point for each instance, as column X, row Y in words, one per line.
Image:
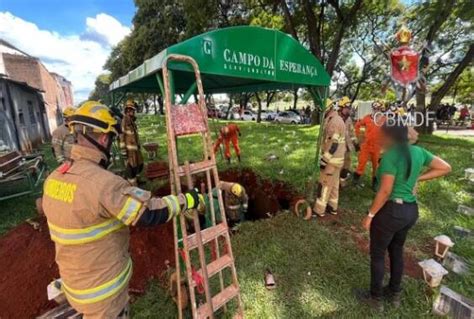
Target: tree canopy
column 352, row 38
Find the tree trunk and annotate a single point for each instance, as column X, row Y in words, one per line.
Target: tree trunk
column 295, row 98
column 453, row 76
column 161, row 104
column 259, row 111
column 269, row 98
column 229, row 108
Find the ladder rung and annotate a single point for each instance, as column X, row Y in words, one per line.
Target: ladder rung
column 217, row 265
column 195, row 168
column 207, row 235
column 218, row 301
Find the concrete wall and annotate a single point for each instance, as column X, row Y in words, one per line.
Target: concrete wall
column 57, row 91
column 23, row 114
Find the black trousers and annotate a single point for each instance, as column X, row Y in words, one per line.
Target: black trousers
column 388, row 231
column 133, row 171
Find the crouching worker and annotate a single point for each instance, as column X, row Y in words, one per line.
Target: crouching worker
column 235, row 204
column 333, row 150
column 229, row 133
column 394, row 210
column 89, row 210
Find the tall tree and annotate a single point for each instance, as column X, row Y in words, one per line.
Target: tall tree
column 101, row 90
column 445, row 27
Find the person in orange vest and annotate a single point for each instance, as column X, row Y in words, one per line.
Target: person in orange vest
column 368, row 132
column 229, row 133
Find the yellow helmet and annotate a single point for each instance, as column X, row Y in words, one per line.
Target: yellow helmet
column 328, row 102
column 343, row 101
column 96, row 116
column 377, row 105
column 225, row 130
column 236, row 189
column 68, row 111
column 130, row 104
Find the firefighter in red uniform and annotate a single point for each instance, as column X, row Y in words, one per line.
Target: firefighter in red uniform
column 229, row 133
column 368, row 131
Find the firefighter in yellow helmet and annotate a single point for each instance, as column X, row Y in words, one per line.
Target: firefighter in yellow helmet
column 345, row 109
column 62, row 137
column 130, row 143
column 235, row 203
column 89, row 210
column 333, row 149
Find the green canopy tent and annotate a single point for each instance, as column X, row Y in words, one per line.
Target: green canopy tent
column 232, row 60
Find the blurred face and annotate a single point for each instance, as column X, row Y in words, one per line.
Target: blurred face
column 346, row 111
column 129, row 111
column 386, row 140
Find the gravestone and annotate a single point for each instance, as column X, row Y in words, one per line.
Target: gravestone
column 453, row 304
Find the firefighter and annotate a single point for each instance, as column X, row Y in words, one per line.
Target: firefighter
column 235, row 202
column 333, row 149
column 62, row 138
column 227, row 135
column 89, row 210
column 367, row 130
column 130, row 144
column 345, row 109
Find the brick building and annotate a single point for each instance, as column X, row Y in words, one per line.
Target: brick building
column 30, row 96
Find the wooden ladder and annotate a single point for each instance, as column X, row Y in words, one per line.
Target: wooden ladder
column 191, row 119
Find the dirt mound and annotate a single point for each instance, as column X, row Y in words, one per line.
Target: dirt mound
column 28, row 265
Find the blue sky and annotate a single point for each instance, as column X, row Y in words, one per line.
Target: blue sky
column 71, row 37
column 68, row 16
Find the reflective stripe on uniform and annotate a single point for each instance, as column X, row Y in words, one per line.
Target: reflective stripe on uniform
column 172, row 203
column 132, row 147
column 99, row 293
column 129, row 210
column 71, row 236
column 128, row 132
column 336, row 161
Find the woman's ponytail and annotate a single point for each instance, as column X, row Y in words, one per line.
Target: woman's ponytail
column 396, row 130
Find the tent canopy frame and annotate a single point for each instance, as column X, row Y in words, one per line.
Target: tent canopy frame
column 232, row 60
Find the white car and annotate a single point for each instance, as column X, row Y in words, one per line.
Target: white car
column 233, row 114
column 248, row 115
column 269, row 115
column 288, row 118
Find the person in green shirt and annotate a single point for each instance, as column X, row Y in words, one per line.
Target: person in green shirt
column 394, row 209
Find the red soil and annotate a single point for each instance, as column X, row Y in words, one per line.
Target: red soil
column 27, row 266
column 264, row 196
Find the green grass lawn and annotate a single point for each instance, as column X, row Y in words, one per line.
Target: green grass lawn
column 316, row 264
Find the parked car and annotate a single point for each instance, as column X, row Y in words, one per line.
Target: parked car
column 269, row 115
column 233, row 114
column 248, row 115
column 288, row 118
column 212, row 112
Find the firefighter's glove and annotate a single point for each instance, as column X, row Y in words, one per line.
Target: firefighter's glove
column 357, row 147
column 192, row 199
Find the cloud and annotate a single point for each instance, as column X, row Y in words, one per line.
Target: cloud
column 105, row 29
column 79, row 57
